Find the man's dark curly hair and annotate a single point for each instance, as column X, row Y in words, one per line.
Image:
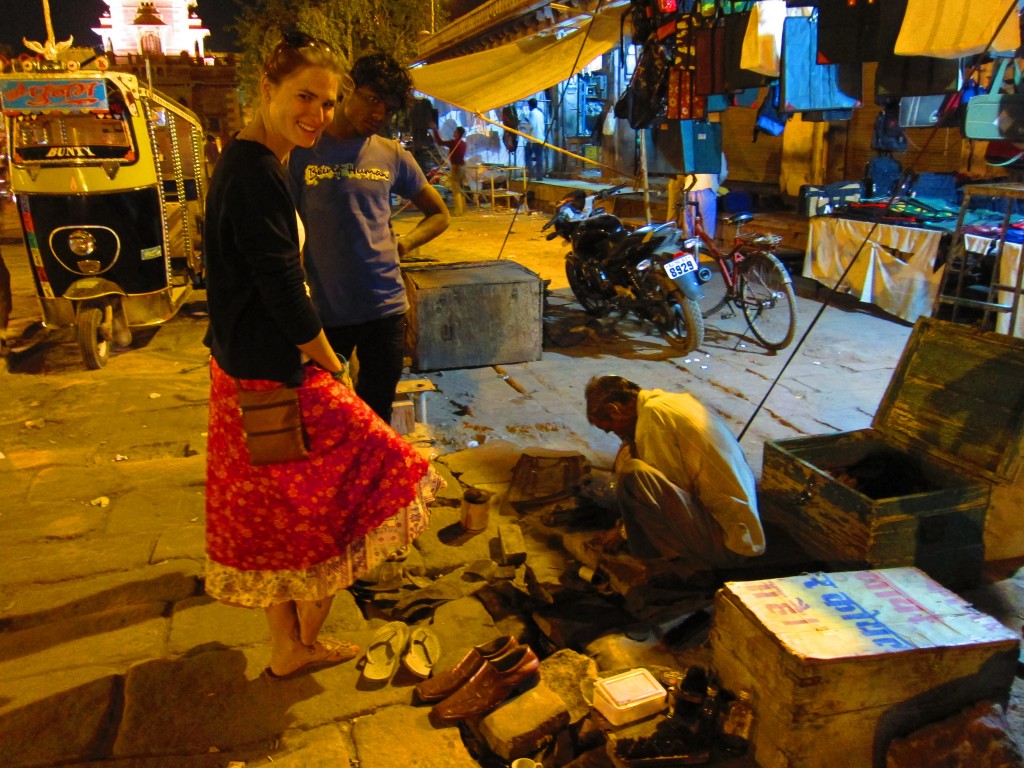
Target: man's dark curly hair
column 389, row 79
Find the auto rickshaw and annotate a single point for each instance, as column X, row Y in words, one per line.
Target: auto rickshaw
column 109, row 182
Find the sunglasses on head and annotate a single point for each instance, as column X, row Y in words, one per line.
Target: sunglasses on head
column 295, row 38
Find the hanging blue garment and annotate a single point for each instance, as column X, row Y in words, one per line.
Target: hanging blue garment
column 804, row 83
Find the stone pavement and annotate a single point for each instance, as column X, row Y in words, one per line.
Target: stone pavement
column 110, row 653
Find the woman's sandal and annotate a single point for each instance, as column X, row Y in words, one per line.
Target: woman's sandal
column 329, row 653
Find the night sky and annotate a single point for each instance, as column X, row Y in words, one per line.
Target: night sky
column 24, row 18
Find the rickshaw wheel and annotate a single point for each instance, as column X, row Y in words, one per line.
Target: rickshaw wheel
column 94, row 345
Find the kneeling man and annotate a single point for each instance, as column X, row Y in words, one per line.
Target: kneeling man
column 683, row 486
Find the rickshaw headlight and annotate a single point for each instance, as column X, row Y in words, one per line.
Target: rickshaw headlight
column 81, row 243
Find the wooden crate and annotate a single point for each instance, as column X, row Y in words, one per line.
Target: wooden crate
column 954, row 415
column 473, row 313
column 840, row 664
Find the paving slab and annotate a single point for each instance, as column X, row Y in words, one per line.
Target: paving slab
column 116, row 637
column 86, row 699
column 32, row 605
column 378, row 747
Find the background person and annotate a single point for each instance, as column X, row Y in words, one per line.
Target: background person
column 702, row 188
column 535, row 149
column 343, row 187
column 287, row 536
column 683, row 486
column 211, row 152
column 456, row 147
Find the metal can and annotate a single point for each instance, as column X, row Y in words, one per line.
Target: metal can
column 475, row 509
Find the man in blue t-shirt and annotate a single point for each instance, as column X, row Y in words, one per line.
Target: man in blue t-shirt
column 343, row 189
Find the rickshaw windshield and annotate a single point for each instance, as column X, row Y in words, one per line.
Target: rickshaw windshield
column 77, row 137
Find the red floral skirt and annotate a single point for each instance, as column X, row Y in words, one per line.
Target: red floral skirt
column 302, row 530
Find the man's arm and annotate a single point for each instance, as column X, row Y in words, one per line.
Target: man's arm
column 435, row 220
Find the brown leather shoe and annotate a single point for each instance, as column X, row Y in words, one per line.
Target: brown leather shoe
column 444, row 685
column 490, row 686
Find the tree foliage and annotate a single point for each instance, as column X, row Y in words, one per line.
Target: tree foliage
column 353, row 27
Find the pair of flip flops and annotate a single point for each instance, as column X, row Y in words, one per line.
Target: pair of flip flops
column 418, row 649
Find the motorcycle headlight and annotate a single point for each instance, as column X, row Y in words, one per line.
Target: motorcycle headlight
column 643, row 265
column 81, row 243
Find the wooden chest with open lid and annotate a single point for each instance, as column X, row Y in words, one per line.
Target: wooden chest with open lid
column 914, row 488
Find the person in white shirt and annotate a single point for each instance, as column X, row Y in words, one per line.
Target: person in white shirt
column 683, row 487
column 534, row 149
column 703, row 188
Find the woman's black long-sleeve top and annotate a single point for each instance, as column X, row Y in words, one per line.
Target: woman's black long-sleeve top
column 259, row 309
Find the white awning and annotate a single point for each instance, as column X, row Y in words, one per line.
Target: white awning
column 491, row 79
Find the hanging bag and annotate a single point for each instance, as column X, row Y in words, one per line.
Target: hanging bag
column 762, row 41
column 272, row 421
column 644, row 99
column 709, row 57
column 734, row 76
column 848, row 31
column 702, row 146
column 997, row 115
column 684, row 147
column 920, row 111
column 807, row 85
column 889, row 135
column 769, row 118
column 683, row 102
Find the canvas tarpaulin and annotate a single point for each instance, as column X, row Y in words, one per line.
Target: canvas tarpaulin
column 490, row 79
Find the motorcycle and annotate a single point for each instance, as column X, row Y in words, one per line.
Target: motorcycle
column 649, row 272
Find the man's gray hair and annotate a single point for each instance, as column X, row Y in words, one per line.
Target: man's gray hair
column 602, row 390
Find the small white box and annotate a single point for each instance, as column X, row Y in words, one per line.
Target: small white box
column 629, row 696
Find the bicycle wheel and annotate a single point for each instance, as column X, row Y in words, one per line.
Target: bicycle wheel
column 767, row 299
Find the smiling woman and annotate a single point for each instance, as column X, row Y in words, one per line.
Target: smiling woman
column 286, row 534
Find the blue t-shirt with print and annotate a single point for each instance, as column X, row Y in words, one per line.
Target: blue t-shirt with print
column 343, row 191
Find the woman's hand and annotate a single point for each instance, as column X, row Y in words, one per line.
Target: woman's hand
column 343, row 376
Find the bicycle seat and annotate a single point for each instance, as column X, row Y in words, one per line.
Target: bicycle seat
column 760, row 239
column 740, row 219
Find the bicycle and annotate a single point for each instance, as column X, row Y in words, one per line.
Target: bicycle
column 756, row 282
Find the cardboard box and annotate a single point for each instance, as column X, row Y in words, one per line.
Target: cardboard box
column 948, row 427
column 473, row 313
column 840, row 664
column 629, row 696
